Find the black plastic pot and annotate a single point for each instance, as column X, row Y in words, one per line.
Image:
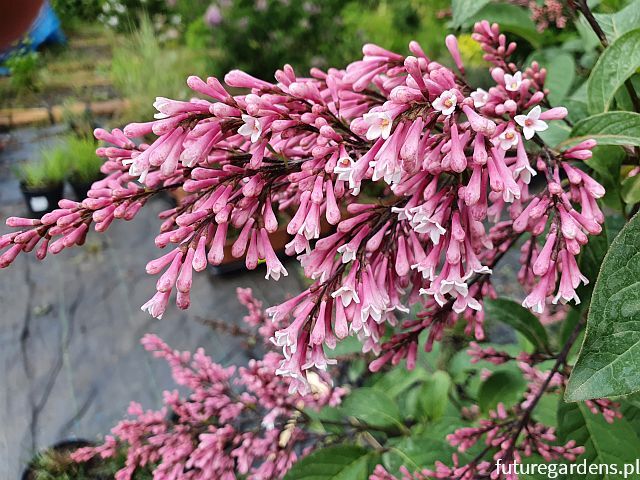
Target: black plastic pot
column 41, row 200
column 80, row 188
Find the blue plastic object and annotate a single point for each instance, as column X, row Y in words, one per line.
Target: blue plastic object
column 45, row 29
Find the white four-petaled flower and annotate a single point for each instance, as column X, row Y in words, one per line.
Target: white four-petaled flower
column 251, row 128
column 380, row 124
column 161, row 104
column 446, row 102
column 347, row 294
column 274, row 271
column 512, row 82
column 343, row 168
column 480, row 98
column 348, row 253
column 531, row 122
column 507, row 139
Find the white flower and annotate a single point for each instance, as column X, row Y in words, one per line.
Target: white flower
column 251, row 128
column 435, row 293
column 531, row 122
column 507, row 139
column 462, row 303
column 161, row 104
column 298, row 244
column 274, row 271
column 525, row 172
column 285, row 337
column 347, row 295
column 347, row 252
column 403, row 213
column 483, row 269
column 510, row 193
column 566, row 296
column 373, row 311
column 480, row 98
column 535, row 303
column 380, row 124
column 427, row 271
column 422, row 223
column 512, row 82
column 156, row 305
column 446, row 102
column 454, row 288
column 344, row 169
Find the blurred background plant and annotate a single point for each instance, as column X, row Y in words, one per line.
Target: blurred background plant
column 49, row 169
column 142, row 66
column 56, row 464
column 73, row 12
column 83, row 163
column 24, row 68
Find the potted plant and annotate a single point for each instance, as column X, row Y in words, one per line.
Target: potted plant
column 84, row 164
column 55, row 463
column 42, row 181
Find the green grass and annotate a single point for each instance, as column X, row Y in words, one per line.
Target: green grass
column 83, row 163
column 74, row 158
column 143, row 68
column 50, row 169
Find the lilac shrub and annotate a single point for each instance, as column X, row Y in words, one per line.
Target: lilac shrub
column 425, row 181
column 234, row 420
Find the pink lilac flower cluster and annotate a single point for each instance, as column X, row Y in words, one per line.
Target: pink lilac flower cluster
column 233, row 421
column 550, row 12
column 503, row 432
column 510, row 433
column 539, row 380
column 453, row 165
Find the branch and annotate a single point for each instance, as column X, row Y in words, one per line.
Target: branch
column 595, row 26
column 560, row 362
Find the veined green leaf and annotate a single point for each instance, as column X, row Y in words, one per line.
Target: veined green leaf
column 372, row 406
column 518, row 317
column 343, row 462
column 617, row 63
column 616, row 24
column 464, row 9
column 609, row 361
column 606, row 444
column 609, row 128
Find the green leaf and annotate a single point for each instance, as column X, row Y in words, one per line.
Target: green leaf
column 398, row 380
column 630, row 408
column 464, row 9
column 610, row 128
column 606, row 163
column 347, row 346
column 343, row 462
column 631, row 190
column 417, row 453
column 616, row 24
column 609, row 360
column 546, row 411
column 617, row 63
column 372, row 406
column 590, row 261
column 605, row 443
column 555, row 134
column 518, row 317
column 434, row 395
column 504, row 386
